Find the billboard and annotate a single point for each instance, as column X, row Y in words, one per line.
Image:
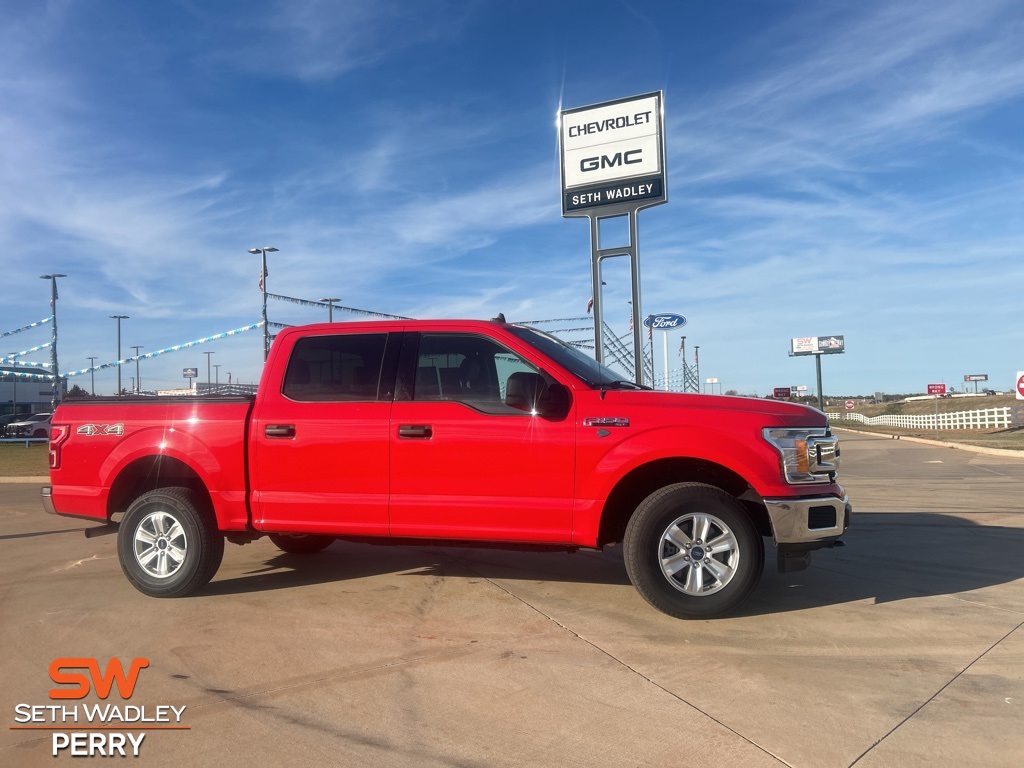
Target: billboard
column 976, row 377
column 817, row 345
column 613, row 154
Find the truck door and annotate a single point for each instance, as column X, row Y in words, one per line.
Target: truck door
column 469, row 460
column 320, row 444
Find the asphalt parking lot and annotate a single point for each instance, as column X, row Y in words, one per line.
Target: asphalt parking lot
column 905, row 648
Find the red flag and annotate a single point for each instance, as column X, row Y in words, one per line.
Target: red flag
column 590, row 305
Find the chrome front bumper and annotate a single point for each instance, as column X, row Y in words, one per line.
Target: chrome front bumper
column 808, row 521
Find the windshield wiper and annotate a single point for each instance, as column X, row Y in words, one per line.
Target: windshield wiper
column 623, row 384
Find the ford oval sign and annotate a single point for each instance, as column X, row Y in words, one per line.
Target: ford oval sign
column 665, row 322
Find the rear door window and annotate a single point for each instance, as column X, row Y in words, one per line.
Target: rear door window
column 335, row 368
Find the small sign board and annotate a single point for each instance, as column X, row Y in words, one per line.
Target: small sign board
column 936, row 389
column 781, row 392
column 976, row 377
column 849, row 405
column 664, row 322
column 817, row 345
column 612, row 154
column 190, row 373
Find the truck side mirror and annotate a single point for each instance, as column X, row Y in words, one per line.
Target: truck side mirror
column 554, row 403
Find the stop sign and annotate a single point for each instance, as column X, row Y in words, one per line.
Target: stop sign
column 849, row 405
column 1020, row 385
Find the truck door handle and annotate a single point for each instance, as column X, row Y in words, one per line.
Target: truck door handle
column 422, row 431
column 280, row 430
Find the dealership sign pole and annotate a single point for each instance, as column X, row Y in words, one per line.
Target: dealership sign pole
column 613, row 165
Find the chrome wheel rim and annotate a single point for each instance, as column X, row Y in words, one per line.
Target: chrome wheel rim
column 698, row 554
column 160, row 545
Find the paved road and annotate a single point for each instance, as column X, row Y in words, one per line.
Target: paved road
column 903, row 649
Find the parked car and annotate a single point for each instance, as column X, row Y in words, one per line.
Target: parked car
column 36, row 425
column 9, row 418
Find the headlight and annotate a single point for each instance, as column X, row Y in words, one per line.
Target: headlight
column 808, row 455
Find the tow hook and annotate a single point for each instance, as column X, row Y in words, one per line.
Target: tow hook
column 835, row 544
column 103, row 530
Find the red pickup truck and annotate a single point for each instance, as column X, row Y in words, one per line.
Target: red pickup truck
column 453, row 431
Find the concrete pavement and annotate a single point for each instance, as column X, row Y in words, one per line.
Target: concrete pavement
column 905, row 648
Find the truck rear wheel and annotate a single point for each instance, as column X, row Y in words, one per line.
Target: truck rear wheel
column 692, row 552
column 300, row 543
column 166, row 545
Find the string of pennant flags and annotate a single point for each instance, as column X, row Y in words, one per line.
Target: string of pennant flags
column 28, row 327
column 166, row 350
column 310, row 303
column 14, row 355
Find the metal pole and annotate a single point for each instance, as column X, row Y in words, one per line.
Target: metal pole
column 634, row 267
column 664, row 338
column 119, row 318
column 330, row 308
column 138, row 378
column 266, row 330
column 821, row 396
column 208, row 383
column 263, row 289
column 595, row 279
column 92, row 376
column 216, row 373
column 14, row 375
column 55, row 387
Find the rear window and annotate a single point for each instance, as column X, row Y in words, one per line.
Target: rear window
column 335, row 368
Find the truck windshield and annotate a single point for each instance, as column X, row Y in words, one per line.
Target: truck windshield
column 579, row 363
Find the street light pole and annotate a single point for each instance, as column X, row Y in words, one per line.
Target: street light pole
column 119, row 318
column 14, row 375
column 208, row 383
column 55, row 387
column 138, row 379
column 330, row 309
column 216, row 373
column 92, row 375
column 263, row 289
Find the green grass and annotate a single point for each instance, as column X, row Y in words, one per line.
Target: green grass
column 18, row 461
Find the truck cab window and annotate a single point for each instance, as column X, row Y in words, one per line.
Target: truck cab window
column 335, row 368
column 466, row 368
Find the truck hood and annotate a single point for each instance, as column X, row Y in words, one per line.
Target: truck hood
column 772, row 412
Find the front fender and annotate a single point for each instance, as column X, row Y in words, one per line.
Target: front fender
column 747, row 455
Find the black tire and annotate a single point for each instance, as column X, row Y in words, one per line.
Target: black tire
column 168, row 544
column 662, row 536
column 300, row 543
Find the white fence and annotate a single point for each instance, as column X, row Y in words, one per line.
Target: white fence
column 986, row 418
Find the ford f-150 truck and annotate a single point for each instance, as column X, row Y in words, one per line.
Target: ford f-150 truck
column 460, row 431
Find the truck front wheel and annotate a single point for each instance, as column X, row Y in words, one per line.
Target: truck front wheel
column 166, row 545
column 692, row 552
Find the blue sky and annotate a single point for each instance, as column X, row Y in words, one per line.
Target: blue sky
column 833, row 168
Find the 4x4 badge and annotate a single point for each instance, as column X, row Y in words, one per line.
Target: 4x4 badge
column 101, row 429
